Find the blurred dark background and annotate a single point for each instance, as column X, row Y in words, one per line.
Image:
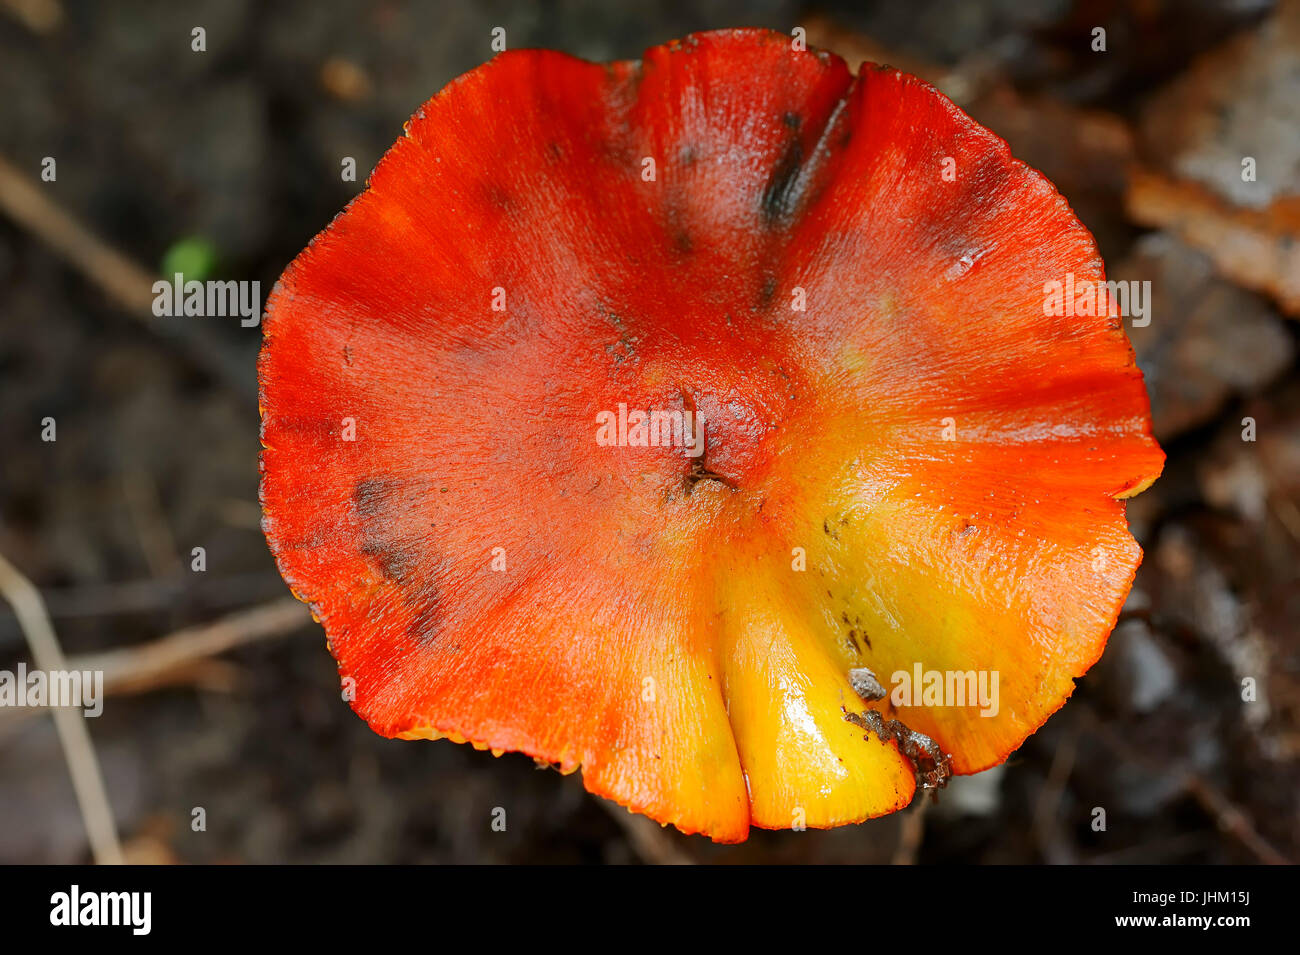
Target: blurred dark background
column 223, row 164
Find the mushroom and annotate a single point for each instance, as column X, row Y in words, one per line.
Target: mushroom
column 481, row 386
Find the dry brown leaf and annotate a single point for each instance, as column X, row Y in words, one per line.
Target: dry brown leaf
column 1256, row 248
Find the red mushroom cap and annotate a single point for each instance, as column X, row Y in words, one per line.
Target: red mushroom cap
column 907, row 465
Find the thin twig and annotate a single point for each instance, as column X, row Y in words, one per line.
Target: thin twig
column 42, row 17
column 1232, row 819
column 911, row 831
column 1159, row 850
column 149, row 594
column 125, row 282
column 70, row 722
column 130, row 286
column 139, row 668
column 1229, row 817
column 1046, row 826
column 1288, row 515
column 649, row 840
column 146, row 513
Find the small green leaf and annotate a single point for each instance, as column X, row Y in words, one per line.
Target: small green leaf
column 193, row 257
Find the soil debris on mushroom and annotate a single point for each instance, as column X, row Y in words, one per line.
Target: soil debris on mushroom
column 933, row 766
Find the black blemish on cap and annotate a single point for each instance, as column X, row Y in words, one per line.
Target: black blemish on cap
column 780, row 196
column 426, row 622
column 394, row 561
column 675, row 221
column 371, row 496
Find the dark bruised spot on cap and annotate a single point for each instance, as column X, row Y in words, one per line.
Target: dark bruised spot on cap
column 780, row 196
column 370, row 496
column 426, row 620
column 395, row 562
